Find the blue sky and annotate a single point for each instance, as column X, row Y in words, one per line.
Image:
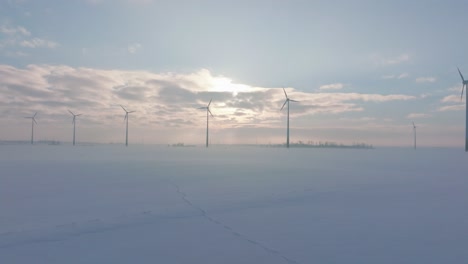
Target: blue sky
column 363, row 70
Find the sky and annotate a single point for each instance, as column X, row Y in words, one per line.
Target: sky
column 362, row 71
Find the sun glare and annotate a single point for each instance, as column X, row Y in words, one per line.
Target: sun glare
column 222, row 84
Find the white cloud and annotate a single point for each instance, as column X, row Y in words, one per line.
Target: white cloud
column 451, row 99
column 417, row 115
column 134, row 47
column 401, row 76
column 451, row 108
column 397, row 60
column 361, row 119
column 17, row 36
column 426, row 79
column 370, row 97
column 333, row 86
column 13, row 30
column 456, row 88
column 39, row 43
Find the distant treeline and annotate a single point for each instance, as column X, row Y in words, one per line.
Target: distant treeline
column 325, row 144
column 180, row 145
column 299, row 144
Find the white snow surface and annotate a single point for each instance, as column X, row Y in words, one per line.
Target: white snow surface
column 154, row 204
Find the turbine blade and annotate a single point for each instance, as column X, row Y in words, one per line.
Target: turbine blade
column 284, row 104
column 123, row 108
column 293, row 100
column 34, row 120
column 131, row 112
column 203, row 107
column 463, row 88
column 35, row 114
column 461, row 75
column 209, row 112
column 285, row 94
column 71, row 113
column 209, row 102
column 78, row 114
column 126, row 115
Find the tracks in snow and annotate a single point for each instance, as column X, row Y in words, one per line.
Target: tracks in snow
column 76, row 229
column 231, row 230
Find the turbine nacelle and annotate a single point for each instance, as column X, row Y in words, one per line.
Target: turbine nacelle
column 207, row 108
column 33, row 118
column 126, row 112
column 74, row 116
column 287, row 99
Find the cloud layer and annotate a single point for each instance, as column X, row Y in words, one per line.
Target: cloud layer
column 161, row 100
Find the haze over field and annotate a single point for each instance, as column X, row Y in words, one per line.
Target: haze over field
column 363, row 70
column 109, row 204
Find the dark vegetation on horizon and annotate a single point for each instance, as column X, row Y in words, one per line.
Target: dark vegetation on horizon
column 299, row 144
column 325, row 144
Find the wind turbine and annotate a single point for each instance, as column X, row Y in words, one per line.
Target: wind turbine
column 33, row 121
column 74, row 123
column 414, row 132
column 465, row 84
column 207, row 118
column 287, row 101
column 126, row 119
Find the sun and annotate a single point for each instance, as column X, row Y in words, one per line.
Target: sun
column 222, row 84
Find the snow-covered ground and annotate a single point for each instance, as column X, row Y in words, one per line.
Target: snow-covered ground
column 148, row 204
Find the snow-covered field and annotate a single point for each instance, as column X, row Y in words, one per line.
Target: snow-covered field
column 148, row 204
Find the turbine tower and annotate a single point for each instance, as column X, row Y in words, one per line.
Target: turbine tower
column 464, row 84
column 33, row 121
column 414, row 132
column 287, row 101
column 208, row 112
column 74, row 123
column 126, row 119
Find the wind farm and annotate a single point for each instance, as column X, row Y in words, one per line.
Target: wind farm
column 300, row 143
column 354, row 94
column 262, row 132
